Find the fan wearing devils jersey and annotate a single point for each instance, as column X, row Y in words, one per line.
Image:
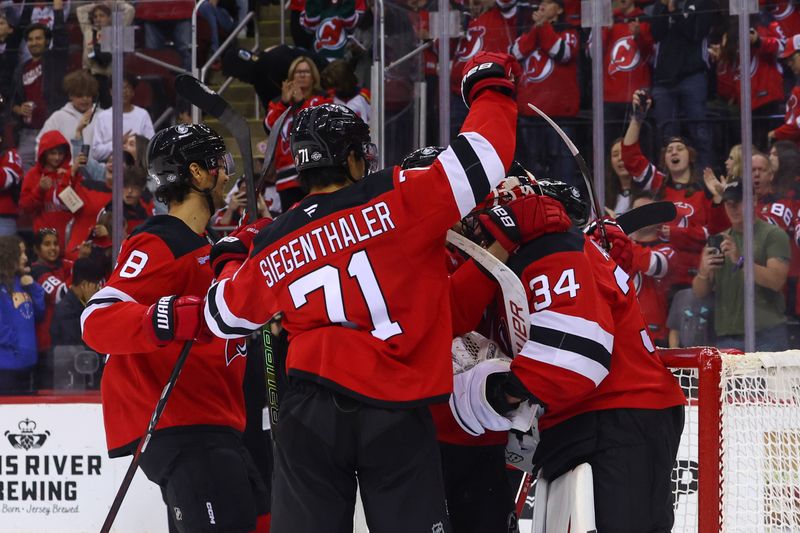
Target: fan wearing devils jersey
column 207, row 478
column 54, row 274
column 300, row 90
column 697, row 215
column 358, row 270
column 786, row 14
column 548, row 54
column 10, row 180
column 790, row 129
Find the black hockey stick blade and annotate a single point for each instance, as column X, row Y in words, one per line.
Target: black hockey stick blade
column 199, row 94
column 144, row 441
column 647, row 215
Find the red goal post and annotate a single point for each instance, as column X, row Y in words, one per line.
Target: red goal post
column 738, row 465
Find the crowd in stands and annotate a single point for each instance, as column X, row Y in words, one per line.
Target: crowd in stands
column 671, row 79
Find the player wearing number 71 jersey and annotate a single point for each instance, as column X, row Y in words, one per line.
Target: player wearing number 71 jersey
column 358, row 270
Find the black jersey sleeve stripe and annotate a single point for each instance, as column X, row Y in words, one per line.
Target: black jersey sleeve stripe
column 219, row 318
column 472, row 167
column 572, row 343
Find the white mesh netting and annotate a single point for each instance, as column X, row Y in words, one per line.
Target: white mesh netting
column 759, row 446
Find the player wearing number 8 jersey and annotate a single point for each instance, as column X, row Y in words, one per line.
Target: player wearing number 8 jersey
column 207, row 477
column 358, row 270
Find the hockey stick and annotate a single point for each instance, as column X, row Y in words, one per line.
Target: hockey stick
column 198, row 94
column 647, row 215
column 516, row 302
column 269, row 152
column 585, row 172
column 145, row 440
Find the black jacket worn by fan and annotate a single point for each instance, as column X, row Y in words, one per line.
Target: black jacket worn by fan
column 681, row 38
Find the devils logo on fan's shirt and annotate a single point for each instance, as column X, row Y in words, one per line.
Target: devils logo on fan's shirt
column 471, row 44
column 330, row 35
column 685, row 212
column 538, row 67
column 625, row 55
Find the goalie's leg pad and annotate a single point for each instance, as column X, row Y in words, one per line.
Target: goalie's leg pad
column 208, row 480
column 565, row 504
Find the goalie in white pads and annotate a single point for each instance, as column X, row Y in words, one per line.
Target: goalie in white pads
column 589, row 362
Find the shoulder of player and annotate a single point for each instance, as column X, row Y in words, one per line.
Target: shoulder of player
column 172, row 233
column 546, row 246
column 315, row 207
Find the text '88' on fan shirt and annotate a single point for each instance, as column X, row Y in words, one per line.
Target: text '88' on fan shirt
column 360, row 275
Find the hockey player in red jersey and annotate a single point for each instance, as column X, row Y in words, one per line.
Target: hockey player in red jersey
column 207, row 478
column 590, row 363
column 358, row 270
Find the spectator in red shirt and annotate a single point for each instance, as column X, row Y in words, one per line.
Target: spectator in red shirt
column 790, row 129
column 548, row 55
column 627, row 52
column 301, row 89
column 766, row 80
column 10, row 180
column 43, row 182
column 37, row 82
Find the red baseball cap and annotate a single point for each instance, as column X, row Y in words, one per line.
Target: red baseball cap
column 792, row 46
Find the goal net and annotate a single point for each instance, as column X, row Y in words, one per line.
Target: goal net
column 738, row 466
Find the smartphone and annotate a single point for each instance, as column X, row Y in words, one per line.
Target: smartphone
column 715, row 241
column 85, row 150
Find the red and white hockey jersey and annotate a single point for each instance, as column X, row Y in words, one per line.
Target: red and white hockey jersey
column 589, row 348
column 10, row 181
column 549, row 71
column 490, row 32
column 650, row 279
column 360, row 273
column 162, row 257
column 787, row 16
column 55, row 279
column 790, row 129
column 626, row 56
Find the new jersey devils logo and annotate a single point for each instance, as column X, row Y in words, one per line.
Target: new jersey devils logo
column 538, row 67
column 471, row 43
column 791, row 105
column 625, row 56
column 330, row 35
column 235, row 348
column 685, row 212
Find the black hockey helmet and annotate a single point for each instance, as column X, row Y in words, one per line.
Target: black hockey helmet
column 324, row 135
column 172, row 149
column 422, row 157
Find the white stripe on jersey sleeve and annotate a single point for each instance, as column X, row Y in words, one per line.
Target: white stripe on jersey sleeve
column 580, row 327
column 571, row 361
column 103, row 298
column 456, row 174
column 225, row 319
column 459, row 184
column 622, row 278
column 491, row 162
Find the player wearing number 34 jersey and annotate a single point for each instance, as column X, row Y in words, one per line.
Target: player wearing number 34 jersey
column 358, row 269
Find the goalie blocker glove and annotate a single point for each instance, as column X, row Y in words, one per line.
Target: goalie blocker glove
column 489, row 70
column 176, row 318
column 524, row 219
column 470, row 402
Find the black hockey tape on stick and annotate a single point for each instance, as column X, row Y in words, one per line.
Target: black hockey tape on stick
column 647, row 215
column 584, row 168
column 269, row 372
column 514, row 298
column 199, row 94
column 145, row 440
